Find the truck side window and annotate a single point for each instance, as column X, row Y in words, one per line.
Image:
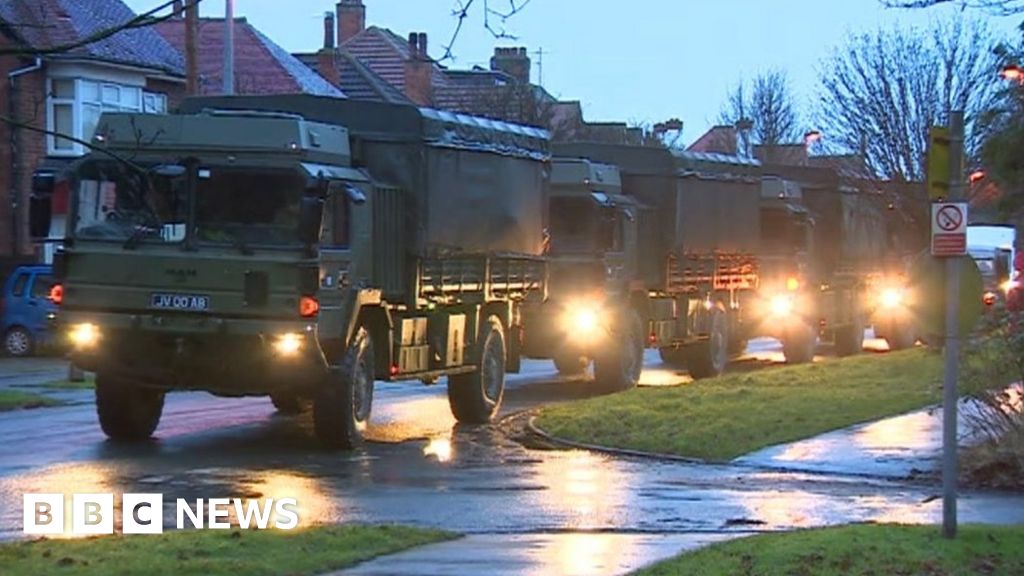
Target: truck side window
column 340, row 214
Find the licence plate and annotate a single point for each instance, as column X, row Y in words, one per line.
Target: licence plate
column 192, row 302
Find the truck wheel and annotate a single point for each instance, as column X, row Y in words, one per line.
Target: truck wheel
column 125, row 411
column 475, row 398
column 343, row 403
column 287, row 404
column 737, row 345
column 18, row 342
column 850, row 339
column 708, row 359
column 571, row 364
column 901, row 335
column 799, row 343
column 619, row 366
column 674, row 357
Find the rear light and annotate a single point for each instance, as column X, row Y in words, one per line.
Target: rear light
column 308, row 306
column 395, row 370
column 57, row 294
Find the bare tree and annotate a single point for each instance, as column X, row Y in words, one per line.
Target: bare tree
column 1000, row 7
column 765, row 112
column 880, row 92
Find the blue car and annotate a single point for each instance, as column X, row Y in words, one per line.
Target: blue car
column 28, row 312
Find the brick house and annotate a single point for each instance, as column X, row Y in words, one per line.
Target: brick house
column 261, row 66
column 56, row 80
column 371, row 62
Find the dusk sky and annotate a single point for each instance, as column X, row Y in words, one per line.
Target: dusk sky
column 636, row 61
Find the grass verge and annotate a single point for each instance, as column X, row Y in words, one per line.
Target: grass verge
column 859, row 549
column 214, row 552
column 16, row 400
column 88, row 384
column 727, row 417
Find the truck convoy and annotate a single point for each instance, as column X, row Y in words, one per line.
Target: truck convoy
column 301, row 248
column 729, row 249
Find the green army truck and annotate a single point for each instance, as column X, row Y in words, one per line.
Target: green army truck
column 594, row 305
column 839, row 265
column 301, row 248
column 697, row 239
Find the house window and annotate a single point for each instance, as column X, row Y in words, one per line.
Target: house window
column 75, row 106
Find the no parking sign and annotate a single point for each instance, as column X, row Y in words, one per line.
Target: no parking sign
column 949, row 229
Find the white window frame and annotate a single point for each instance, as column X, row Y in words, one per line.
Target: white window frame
column 78, row 104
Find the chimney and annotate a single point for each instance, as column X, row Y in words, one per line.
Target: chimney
column 351, row 19
column 327, row 66
column 512, row 61
column 329, row 31
column 419, row 71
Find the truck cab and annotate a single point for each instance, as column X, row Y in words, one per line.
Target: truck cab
column 592, row 255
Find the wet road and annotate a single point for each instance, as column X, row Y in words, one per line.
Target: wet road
column 421, row 469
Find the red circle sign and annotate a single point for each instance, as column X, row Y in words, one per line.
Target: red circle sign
column 949, row 218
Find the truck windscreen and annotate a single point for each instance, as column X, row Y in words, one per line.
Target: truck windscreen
column 122, row 201
column 248, row 205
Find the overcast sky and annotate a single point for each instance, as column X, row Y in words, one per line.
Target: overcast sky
column 628, row 60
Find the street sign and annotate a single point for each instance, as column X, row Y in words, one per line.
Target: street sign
column 929, row 279
column 949, row 229
column 937, row 176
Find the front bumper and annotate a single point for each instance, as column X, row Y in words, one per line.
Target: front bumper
column 222, row 356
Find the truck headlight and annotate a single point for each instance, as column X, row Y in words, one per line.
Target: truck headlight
column 781, row 305
column 891, row 298
column 84, row 335
column 582, row 319
column 288, row 344
column 1009, row 286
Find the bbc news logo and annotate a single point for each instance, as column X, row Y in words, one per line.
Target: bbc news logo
column 94, row 514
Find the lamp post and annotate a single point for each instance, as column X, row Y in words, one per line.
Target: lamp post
column 229, row 47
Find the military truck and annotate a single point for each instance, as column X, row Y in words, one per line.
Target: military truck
column 301, row 248
column 594, row 305
column 836, row 264
column 697, row 238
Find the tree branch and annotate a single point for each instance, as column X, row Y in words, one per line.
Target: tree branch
column 462, row 12
column 141, row 21
column 998, row 7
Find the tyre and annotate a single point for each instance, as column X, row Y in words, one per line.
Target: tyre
column 618, row 367
column 287, row 404
column 571, row 364
column 799, row 343
column 18, row 342
column 737, row 345
column 708, row 359
column 127, row 412
column 475, row 397
column 342, row 406
column 850, row 339
column 901, row 335
column 674, row 357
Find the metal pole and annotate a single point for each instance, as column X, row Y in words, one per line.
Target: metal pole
column 952, row 359
column 229, row 47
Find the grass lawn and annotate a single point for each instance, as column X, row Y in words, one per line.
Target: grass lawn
column 727, row 417
column 214, row 552
column 860, row 549
column 88, row 384
column 16, row 400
